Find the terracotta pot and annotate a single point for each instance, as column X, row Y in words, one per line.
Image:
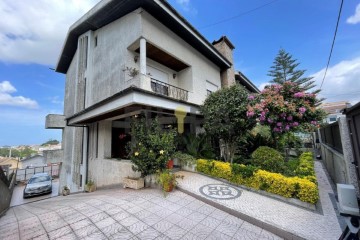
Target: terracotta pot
column 170, row 164
column 168, row 187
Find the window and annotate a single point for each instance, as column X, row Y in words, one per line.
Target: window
column 96, row 41
column 332, row 119
column 210, row 88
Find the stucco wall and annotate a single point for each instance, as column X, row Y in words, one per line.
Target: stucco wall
column 107, row 59
column 201, row 69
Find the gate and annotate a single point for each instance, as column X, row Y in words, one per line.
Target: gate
column 26, row 173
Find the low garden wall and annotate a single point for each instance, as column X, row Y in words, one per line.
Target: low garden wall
column 303, row 187
column 5, row 195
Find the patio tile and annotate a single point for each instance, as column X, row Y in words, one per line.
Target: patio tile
column 142, row 214
column 152, row 219
column 245, row 234
column 228, row 229
column 59, row 232
column 138, row 227
column 129, row 221
column 206, row 209
column 70, row 236
column 148, row 234
column 120, row 216
column 201, row 231
column 235, row 221
column 211, row 222
column 190, row 236
column 134, row 210
column 175, row 232
column 184, row 211
column 164, row 213
column 122, row 235
column 74, row 218
column 186, row 224
column 41, row 237
column 83, row 232
column 268, row 235
column 162, row 237
column 98, row 217
column 105, row 223
column 174, row 218
column 163, row 226
column 216, row 235
column 114, row 210
column 80, row 224
column 112, row 229
column 250, row 227
column 97, row 235
column 196, row 216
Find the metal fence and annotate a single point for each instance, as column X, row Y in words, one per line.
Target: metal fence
column 330, row 135
column 26, row 173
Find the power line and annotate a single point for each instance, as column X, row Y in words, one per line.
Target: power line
column 332, row 45
column 239, row 15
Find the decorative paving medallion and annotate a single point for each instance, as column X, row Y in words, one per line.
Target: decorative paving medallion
column 220, row 191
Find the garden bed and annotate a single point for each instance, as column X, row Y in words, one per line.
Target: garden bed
column 302, row 187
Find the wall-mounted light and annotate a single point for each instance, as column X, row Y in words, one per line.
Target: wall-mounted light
column 174, row 75
column 136, row 58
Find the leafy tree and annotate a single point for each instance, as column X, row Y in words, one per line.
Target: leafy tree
column 151, row 146
column 225, row 117
column 51, row 142
column 284, row 70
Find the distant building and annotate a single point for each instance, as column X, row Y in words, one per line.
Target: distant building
column 33, row 161
column 334, row 110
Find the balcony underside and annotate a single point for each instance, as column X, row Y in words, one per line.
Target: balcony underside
column 130, row 101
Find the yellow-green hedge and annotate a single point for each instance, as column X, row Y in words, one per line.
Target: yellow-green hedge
column 302, row 188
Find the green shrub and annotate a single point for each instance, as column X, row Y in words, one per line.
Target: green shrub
column 306, row 165
column 185, row 159
column 268, row 159
column 204, row 166
column 245, row 171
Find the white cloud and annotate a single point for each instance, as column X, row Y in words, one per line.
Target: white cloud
column 263, row 85
column 186, row 5
column 34, row 33
column 354, row 19
column 342, row 81
column 7, row 99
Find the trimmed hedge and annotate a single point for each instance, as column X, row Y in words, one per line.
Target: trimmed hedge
column 305, row 189
column 268, row 159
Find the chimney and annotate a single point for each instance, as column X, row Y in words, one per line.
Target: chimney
column 225, row 47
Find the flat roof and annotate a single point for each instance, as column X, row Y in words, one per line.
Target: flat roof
column 108, row 11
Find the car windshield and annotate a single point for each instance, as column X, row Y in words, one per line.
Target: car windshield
column 39, row 179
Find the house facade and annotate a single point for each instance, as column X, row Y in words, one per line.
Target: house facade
column 125, row 59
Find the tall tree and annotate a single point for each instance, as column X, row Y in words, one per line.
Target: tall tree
column 284, row 69
column 225, row 117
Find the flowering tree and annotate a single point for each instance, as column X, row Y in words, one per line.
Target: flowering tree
column 151, row 146
column 285, row 108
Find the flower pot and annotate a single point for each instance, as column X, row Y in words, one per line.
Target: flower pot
column 168, row 187
column 90, row 188
column 134, row 183
column 170, row 164
column 65, row 192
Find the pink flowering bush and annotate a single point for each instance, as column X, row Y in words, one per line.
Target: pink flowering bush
column 285, row 108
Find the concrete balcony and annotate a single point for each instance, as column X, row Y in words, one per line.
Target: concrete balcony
column 55, row 121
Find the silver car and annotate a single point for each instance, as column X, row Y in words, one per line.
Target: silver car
column 39, row 183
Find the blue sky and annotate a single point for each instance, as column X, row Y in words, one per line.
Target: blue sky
column 31, row 37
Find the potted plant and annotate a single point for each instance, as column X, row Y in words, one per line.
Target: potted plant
column 167, row 180
column 90, row 186
column 134, row 183
column 65, row 191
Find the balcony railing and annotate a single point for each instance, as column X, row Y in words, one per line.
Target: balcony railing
column 169, row 90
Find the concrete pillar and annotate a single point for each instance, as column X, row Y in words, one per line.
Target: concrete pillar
column 143, row 56
column 351, row 177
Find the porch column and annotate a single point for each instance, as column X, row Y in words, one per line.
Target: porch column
column 143, row 56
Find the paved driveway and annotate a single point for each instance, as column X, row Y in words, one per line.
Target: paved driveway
column 17, row 197
column 124, row 214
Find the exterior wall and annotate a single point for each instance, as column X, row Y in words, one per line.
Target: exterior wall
column 340, row 166
column 103, row 169
column 107, row 60
column 54, row 156
column 201, row 69
column 36, row 161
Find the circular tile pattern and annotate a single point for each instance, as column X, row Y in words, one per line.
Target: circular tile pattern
column 220, row 191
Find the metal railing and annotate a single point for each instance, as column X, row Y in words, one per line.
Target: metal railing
column 169, row 90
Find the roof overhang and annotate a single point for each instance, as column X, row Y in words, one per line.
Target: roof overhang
column 243, row 80
column 129, row 100
column 108, row 11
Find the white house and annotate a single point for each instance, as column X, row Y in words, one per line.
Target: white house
column 125, row 58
